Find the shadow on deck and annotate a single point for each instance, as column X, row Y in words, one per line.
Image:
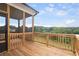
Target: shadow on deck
column 37, row 49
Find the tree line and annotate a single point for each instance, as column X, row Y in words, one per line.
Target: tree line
column 66, row 30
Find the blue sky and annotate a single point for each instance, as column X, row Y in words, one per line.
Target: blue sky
column 56, row 14
column 53, row 15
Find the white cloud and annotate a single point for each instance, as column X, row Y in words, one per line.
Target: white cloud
column 70, row 21
column 60, row 25
column 49, row 9
column 77, row 11
column 64, row 7
column 46, row 10
column 51, row 5
column 66, row 23
column 41, row 12
column 61, row 13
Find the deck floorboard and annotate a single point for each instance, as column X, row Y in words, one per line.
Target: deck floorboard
column 37, row 49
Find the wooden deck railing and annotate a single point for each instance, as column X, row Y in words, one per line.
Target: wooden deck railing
column 15, row 40
column 28, row 36
column 63, row 41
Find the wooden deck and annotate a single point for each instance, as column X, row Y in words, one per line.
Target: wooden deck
column 37, row 49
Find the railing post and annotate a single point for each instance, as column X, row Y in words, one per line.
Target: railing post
column 76, row 45
column 73, row 43
column 32, row 27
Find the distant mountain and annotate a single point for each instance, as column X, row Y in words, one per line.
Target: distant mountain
column 15, row 29
column 67, row 30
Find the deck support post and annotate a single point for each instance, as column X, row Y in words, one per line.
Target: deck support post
column 24, row 18
column 32, row 27
column 8, row 26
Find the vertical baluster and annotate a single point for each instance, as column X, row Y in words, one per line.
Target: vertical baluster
column 53, row 39
column 17, row 41
column 21, row 38
column 64, row 37
column 55, row 36
column 73, row 44
column 13, row 39
column 67, row 37
column 61, row 37
column 47, row 39
column 10, row 40
column 56, row 40
column 60, row 40
column 69, row 42
column 65, row 42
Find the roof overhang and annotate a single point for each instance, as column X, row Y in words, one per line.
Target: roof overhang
column 24, row 7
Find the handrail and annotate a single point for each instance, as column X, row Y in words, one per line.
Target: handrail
column 63, row 41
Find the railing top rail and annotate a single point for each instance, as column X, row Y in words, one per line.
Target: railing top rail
column 54, row 33
column 21, row 33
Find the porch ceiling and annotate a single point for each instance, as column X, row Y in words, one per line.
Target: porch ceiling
column 15, row 13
